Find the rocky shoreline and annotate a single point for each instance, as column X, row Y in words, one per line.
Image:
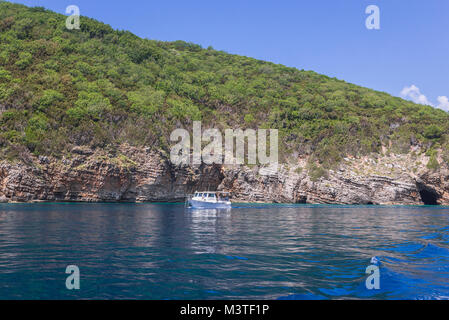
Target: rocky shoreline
column 142, row 175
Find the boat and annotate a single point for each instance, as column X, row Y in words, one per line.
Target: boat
column 208, row 199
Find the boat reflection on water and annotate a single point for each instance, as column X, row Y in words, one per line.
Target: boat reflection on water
column 207, row 228
column 207, row 212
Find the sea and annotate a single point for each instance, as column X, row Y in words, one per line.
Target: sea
column 252, row 251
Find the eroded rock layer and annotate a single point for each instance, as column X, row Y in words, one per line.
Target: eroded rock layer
column 136, row 174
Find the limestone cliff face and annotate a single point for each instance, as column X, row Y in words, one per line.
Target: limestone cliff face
column 131, row 175
column 389, row 180
column 134, row 174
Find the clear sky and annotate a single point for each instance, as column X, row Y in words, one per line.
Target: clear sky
column 408, row 55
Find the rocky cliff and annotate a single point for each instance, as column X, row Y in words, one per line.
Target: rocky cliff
column 137, row 174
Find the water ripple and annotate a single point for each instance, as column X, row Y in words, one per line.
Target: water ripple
column 150, row 251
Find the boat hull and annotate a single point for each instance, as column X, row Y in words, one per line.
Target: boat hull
column 209, row 205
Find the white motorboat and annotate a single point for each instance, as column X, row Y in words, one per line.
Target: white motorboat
column 208, row 199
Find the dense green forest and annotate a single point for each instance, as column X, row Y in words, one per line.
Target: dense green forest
column 101, row 87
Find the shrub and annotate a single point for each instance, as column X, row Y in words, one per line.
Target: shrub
column 433, row 132
column 316, row 172
column 146, row 101
column 35, row 131
column 25, row 60
column 183, row 110
column 48, row 98
column 90, row 104
column 433, row 163
column 4, row 75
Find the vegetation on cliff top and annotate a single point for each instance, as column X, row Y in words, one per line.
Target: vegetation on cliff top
column 100, row 87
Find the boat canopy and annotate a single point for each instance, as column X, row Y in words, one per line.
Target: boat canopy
column 211, row 194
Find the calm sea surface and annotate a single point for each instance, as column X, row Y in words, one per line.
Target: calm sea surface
column 163, row 251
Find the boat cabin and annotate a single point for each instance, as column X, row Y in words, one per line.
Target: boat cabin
column 211, row 196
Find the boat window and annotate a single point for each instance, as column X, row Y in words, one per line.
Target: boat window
column 211, row 195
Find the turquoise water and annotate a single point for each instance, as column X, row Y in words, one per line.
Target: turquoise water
column 163, row 251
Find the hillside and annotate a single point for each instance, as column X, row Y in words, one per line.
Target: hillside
column 99, row 88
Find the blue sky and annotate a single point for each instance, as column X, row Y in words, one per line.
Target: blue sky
column 408, row 55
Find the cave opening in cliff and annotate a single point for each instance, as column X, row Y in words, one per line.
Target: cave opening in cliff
column 428, row 195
